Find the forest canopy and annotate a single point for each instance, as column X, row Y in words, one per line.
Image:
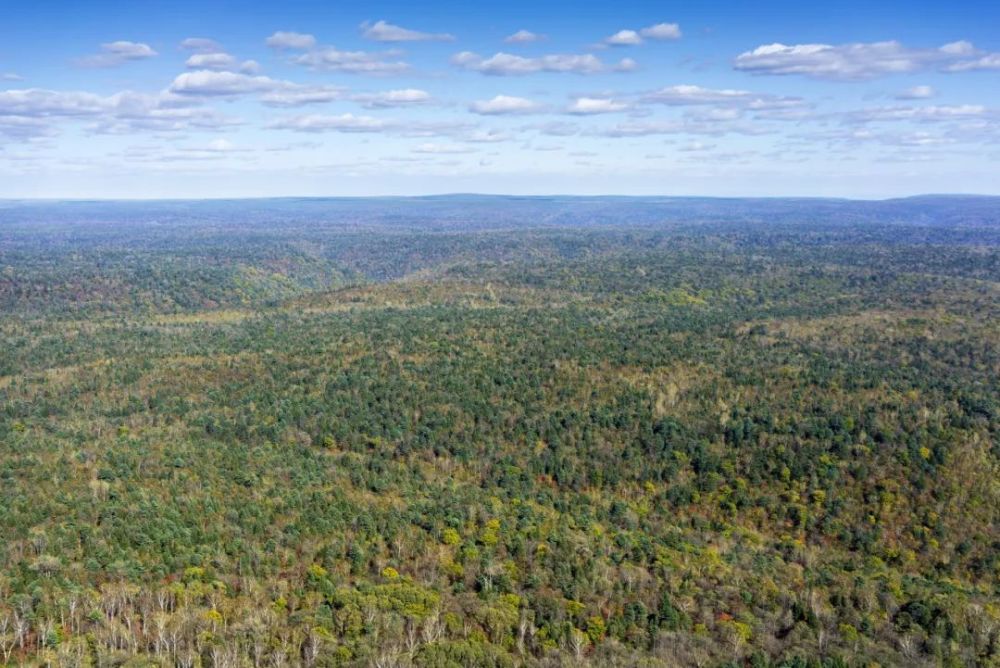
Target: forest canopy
column 479, row 431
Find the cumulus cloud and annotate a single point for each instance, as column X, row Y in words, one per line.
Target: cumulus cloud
column 294, row 95
column 201, row 45
column 273, row 92
column 284, row 40
column 368, row 124
column 506, row 64
column 916, row 93
column 523, row 37
column 326, row 123
column 690, row 95
column 287, row 94
column 211, row 61
column 405, row 97
column 119, row 113
column 381, row 31
column 596, row 105
column 715, row 115
column 281, row 93
column 117, row 53
column 928, row 114
column 624, row 38
column 851, row 62
column 39, row 102
column 331, row 59
column 662, row 31
column 504, row 105
column 224, row 84
column 990, row 61
column 24, row 128
column 221, row 62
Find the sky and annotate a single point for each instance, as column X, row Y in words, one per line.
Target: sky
column 195, row 99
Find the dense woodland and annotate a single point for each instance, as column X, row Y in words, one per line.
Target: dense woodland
column 497, row 432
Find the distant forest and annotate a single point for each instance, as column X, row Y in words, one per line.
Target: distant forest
column 500, row 431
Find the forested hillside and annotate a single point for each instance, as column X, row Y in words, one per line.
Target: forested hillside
column 500, row 432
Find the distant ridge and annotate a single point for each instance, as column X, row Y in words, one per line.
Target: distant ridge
column 512, row 197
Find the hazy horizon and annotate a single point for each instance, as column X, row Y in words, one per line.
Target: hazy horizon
column 444, row 195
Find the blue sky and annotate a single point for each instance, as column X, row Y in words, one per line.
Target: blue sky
column 234, row 99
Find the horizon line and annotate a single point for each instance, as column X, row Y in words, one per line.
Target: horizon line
column 501, row 195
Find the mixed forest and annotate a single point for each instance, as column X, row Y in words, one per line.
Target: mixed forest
column 500, row 432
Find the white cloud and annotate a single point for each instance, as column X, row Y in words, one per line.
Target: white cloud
column 24, row 128
column 324, row 123
column 393, row 98
column 273, row 92
column 201, row 45
column 284, row 40
column 715, row 115
column 929, row 114
column 287, row 94
column 221, row 62
column 624, row 38
column 135, row 112
column 119, row 113
column 331, row 59
column 39, row 102
column 690, row 95
column 221, row 146
column 364, row 124
column 696, row 147
column 10, row 76
column 850, row 62
column 295, row 95
column 861, row 136
column 506, row 64
column 504, row 105
column 118, row 53
column 211, row 61
column 523, row 37
column 642, row 129
column 662, row 31
column 916, row 93
column 382, row 31
column 990, row 61
column 225, row 84
column 596, row 105
column 442, row 149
